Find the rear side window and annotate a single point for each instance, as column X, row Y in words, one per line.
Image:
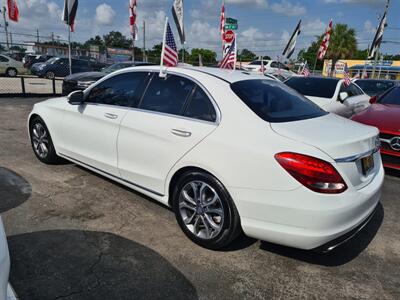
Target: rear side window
column 200, row 107
column 3, row 59
column 373, row 88
column 314, row 87
column 167, row 95
column 121, row 90
column 392, row 97
column 274, row 102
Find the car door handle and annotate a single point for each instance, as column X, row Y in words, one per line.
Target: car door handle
column 110, row 116
column 181, row 133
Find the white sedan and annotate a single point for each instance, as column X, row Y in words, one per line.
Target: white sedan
column 6, row 291
column 331, row 94
column 225, row 149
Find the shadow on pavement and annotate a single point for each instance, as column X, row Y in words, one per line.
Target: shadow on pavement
column 393, row 172
column 14, row 190
column 339, row 256
column 68, row 264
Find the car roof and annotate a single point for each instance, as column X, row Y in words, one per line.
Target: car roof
column 375, row 80
column 226, row 75
column 316, row 77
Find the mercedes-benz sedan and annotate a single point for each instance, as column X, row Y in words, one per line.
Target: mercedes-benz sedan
column 227, row 150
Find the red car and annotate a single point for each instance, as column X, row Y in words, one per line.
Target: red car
column 384, row 113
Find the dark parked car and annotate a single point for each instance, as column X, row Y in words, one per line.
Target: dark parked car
column 30, row 60
column 375, row 87
column 81, row 81
column 59, row 67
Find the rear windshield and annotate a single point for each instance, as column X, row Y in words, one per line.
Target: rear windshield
column 392, row 97
column 373, row 87
column 314, row 87
column 274, row 102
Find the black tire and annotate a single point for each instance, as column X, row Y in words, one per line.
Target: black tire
column 50, row 75
column 11, row 72
column 230, row 226
column 50, row 157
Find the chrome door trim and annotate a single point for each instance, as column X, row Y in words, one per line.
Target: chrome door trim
column 181, row 133
column 356, row 157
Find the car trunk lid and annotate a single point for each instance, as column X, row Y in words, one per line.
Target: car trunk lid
column 345, row 141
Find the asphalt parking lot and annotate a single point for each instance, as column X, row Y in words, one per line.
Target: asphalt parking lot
column 75, row 235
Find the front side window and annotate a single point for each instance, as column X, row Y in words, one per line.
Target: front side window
column 200, row 107
column 121, row 90
column 274, row 102
column 314, row 87
column 392, row 97
column 167, row 95
column 352, row 90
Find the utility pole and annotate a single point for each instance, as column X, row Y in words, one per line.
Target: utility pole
column 144, row 41
column 37, row 36
column 6, row 27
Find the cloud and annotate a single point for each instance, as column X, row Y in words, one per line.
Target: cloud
column 285, row 7
column 105, row 15
column 362, row 2
column 260, row 3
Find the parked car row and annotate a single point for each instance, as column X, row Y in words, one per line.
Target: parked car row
column 11, row 67
column 229, row 151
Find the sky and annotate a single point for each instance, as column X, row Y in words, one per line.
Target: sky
column 264, row 25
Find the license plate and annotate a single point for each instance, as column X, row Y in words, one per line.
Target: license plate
column 367, row 163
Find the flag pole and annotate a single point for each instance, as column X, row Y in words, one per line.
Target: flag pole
column 163, row 48
column 69, row 48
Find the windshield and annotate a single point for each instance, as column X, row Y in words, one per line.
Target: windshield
column 314, row 87
column 374, row 87
column 52, row 60
column 274, row 102
column 392, row 97
column 116, row 67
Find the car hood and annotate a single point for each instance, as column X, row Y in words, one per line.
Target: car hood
column 385, row 117
column 336, row 136
column 86, row 76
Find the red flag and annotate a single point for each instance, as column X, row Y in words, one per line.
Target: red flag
column 13, row 12
column 325, row 42
column 222, row 23
column 132, row 14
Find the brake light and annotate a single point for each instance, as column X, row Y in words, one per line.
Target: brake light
column 373, row 99
column 315, row 174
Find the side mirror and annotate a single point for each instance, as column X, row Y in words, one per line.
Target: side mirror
column 343, row 96
column 76, row 98
column 373, row 99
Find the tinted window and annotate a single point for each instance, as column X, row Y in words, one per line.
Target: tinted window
column 200, row 107
column 314, row 87
column 274, row 65
column 80, row 63
column 274, row 102
column 167, row 95
column 3, row 59
column 255, row 63
column 392, row 97
column 373, row 87
column 123, row 90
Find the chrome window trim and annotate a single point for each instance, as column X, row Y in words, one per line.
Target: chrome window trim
column 154, row 73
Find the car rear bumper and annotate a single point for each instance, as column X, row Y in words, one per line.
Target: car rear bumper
column 304, row 219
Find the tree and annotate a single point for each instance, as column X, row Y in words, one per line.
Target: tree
column 309, row 55
column 17, row 49
column 361, row 54
column 391, row 57
column 208, row 57
column 116, row 39
column 247, row 55
column 343, row 44
column 96, row 41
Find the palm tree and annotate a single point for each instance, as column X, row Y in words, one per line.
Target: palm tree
column 343, row 44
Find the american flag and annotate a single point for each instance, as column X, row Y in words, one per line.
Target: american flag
column 347, row 79
column 306, row 71
column 229, row 60
column 325, row 42
column 170, row 52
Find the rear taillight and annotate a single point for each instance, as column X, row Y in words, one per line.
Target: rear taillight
column 315, row 174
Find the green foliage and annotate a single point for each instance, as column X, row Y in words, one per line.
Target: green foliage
column 209, row 57
column 116, row 39
column 310, row 54
column 246, row 55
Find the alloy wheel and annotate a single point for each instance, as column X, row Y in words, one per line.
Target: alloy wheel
column 201, row 210
column 40, row 140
